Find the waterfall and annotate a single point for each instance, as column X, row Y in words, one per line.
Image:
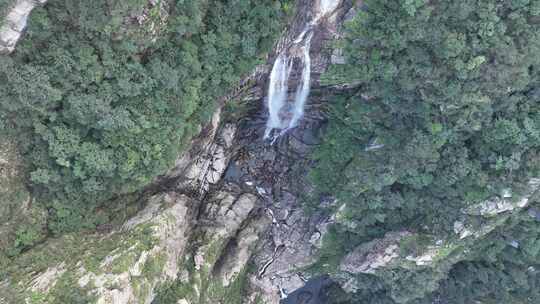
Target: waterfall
column 302, row 92
column 283, row 116
column 328, row 6
column 277, row 92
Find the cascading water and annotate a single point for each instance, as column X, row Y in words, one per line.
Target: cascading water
column 277, row 92
column 328, row 6
column 282, row 116
column 302, row 92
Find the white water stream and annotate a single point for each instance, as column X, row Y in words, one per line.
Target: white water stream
column 277, row 92
column 328, row 6
column 282, row 115
column 302, row 91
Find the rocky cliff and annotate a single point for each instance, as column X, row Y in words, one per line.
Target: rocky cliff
column 226, row 224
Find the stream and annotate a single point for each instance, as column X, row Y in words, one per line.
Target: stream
column 285, row 111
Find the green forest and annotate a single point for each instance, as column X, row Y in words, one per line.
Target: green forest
column 438, row 110
column 444, row 113
column 100, row 109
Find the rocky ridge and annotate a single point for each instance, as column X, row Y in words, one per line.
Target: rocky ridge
column 228, row 196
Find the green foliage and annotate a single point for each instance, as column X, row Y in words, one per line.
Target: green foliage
column 505, row 275
column 27, row 236
column 499, row 268
column 73, row 251
column 4, row 6
column 101, row 105
column 23, row 223
column 211, row 290
column 443, row 113
column 66, row 290
column 171, row 292
column 154, row 266
column 414, row 245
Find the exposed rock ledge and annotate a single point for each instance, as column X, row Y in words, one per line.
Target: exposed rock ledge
column 202, row 231
column 147, row 251
column 14, row 23
column 383, row 256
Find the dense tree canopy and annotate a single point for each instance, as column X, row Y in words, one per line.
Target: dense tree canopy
column 108, row 92
column 444, row 113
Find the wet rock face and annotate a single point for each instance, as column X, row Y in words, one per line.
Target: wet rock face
column 313, row 292
column 279, row 170
column 367, row 258
column 276, row 173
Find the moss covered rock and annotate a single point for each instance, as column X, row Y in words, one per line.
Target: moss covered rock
column 124, row 266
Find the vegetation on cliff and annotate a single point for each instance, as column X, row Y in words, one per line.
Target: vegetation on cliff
column 443, row 114
column 103, row 95
column 436, row 114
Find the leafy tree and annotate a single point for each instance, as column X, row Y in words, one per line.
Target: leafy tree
column 442, row 112
column 445, row 112
column 105, row 104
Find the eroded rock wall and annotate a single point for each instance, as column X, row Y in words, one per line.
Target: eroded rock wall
column 231, row 201
column 22, row 223
column 384, row 257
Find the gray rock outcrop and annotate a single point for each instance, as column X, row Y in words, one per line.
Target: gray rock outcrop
column 200, row 230
column 367, row 258
column 385, row 255
column 14, row 23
